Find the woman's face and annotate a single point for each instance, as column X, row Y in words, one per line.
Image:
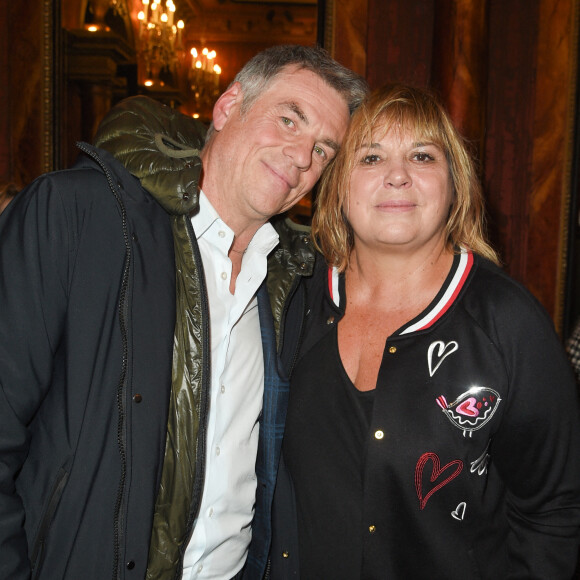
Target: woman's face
column 400, row 193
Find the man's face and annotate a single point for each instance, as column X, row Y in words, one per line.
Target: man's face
column 273, row 154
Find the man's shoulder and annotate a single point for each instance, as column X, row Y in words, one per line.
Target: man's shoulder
column 289, row 230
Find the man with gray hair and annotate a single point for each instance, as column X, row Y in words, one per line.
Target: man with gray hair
column 135, row 442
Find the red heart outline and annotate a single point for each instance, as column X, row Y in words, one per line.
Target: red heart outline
column 437, row 471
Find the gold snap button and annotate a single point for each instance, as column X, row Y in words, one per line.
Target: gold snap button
column 372, row 529
column 330, row 320
column 392, row 349
column 379, row 434
column 285, row 554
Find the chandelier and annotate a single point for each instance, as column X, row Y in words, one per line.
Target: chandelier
column 159, row 40
column 204, row 78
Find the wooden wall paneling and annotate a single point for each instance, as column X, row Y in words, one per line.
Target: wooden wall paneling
column 528, row 142
column 400, row 38
column 571, row 314
column 509, row 137
column 30, row 89
column 93, row 59
column 348, row 42
column 460, row 64
column 97, row 70
column 73, row 13
column 6, row 176
column 553, row 133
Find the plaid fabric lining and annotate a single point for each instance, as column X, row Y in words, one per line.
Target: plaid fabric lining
column 573, row 350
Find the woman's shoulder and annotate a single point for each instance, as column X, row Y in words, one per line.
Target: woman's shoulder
column 493, row 295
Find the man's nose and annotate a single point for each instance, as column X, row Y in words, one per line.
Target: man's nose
column 300, row 152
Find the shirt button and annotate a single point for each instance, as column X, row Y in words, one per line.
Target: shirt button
column 224, row 275
column 222, row 234
column 217, row 451
column 285, row 554
column 210, row 512
column 200, row 568
column 223, row 389
column 392, row 349
column 372, row 529
column 379, row 434
column 137, row 398
column 130, row 565
column 330, row 320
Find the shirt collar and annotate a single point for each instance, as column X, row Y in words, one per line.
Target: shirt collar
column 263, row 242
column 205, row 216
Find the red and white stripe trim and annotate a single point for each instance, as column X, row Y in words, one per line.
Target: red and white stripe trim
column 449, row 296
column 333, row 277
column 433, row 314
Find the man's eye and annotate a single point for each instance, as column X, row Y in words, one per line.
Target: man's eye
column 319, row 151
column 288, row 122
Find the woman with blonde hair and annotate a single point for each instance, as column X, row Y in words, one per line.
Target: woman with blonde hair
column 433, row 427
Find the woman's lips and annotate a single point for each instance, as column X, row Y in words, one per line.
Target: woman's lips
column 396, row 205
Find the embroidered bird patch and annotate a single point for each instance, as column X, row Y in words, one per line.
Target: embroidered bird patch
column 472, row 409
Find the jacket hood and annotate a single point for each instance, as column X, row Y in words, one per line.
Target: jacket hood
column 158, row 145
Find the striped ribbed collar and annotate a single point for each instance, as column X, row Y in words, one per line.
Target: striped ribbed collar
column 460, row 269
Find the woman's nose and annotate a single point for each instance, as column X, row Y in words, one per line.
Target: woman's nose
column 396, row 175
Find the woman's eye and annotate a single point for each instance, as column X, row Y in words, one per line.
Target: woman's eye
column 423, row 157
column 370, row 159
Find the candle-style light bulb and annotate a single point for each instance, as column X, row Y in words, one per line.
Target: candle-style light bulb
column 180, row 26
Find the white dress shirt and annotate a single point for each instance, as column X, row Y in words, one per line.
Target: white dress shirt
column 219, row 545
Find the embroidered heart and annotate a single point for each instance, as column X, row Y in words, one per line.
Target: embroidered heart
column 468, row 407
column 459, row 512
column 436, row 473
column 443, row 351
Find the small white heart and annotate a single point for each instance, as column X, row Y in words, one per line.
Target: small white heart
column 459, row 512
column 443, row 351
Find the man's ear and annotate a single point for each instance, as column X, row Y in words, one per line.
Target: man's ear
column 226, row 104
